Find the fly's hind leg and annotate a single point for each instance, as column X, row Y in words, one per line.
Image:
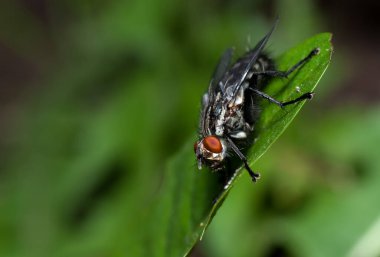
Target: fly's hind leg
column 285, row 74
column 305, row 96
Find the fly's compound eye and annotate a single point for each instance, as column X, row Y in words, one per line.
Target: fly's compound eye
column 213, row 144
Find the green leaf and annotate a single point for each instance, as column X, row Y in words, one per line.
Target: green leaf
column 323, row 192
column 186, row 203
column 345, row 217
column 57, row 183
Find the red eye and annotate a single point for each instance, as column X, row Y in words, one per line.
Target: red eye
column 213, row 144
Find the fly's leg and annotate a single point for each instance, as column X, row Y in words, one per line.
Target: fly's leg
column 285, row 74
column 306, row 96
column 282, row 104
column 254, row 176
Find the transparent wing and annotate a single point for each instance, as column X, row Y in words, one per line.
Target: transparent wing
column 220, row 71
column 255, row 54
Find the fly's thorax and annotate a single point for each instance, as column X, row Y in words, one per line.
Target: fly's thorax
column 229, row 112
column 234, row 115
column 220, row 122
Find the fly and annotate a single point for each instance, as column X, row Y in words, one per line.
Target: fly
column 230, row 106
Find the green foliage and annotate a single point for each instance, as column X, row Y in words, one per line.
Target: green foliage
column 194, row 196
column 321, row 189
column 97, row 156
column 184, row 207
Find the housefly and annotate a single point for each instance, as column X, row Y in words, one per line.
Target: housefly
column 230, row 106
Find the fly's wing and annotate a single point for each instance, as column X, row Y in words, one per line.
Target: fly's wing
column 209, row 98
column 219, row 72
column 238, row 73
column 228, row 82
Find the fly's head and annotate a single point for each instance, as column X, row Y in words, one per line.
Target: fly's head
column 210, row 150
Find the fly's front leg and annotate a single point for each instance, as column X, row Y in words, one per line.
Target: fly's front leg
column 285, row 74
column 255, row 176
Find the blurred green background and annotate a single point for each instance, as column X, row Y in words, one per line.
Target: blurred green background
column 97, row 95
